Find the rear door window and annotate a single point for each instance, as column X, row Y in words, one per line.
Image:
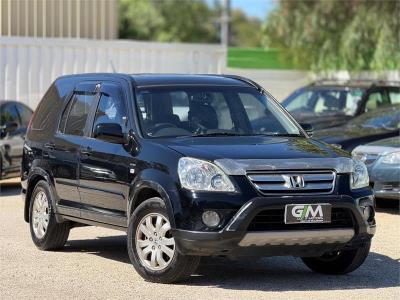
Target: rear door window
column 78, row 114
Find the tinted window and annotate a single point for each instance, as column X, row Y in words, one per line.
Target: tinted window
column 263, row 117
column 110, row 110
column 78, row 114
column 64, row 116
column 186, row 111
column 25, row 114
column 325, row 101
column 8, row 113
column 180, row 105
column 47, row 111
column 394, row 95
column 376, row 99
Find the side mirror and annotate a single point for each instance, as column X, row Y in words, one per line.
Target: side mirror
column 7, row 128
column 308, row 128
column 109, row 132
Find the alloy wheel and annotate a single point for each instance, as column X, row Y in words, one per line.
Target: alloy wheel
column 40, row 214
column 155, row 245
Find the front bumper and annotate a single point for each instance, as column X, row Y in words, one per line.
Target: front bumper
column 387, row 190
column 235, row 240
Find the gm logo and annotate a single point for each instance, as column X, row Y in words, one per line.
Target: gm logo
column 294, row 181
column 303, row 212
column 307, row 213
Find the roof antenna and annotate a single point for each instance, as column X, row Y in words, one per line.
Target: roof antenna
column 112, row 66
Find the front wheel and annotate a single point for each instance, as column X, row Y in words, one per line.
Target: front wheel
column 152, row 248
column 340, row 262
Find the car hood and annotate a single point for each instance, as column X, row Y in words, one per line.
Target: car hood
column 321, row 121
column 343, row 133
column 212, row 148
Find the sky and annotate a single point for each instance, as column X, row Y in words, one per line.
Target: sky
column 255, row 8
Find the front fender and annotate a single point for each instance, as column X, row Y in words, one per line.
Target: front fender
column 163, row 184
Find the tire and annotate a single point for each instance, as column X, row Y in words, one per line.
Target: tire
column 55, row 234
column 141, row 246
column 1, row 167
column 340, row 263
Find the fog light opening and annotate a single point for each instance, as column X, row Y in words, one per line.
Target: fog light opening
column 211, row 218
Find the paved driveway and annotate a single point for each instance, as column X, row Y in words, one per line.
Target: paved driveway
column 95, row 264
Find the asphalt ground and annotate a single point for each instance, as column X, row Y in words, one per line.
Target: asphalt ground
column 94, row 264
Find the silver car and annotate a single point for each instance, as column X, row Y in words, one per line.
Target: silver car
column 383, row 162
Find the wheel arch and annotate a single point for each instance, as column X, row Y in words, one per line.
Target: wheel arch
column 36, row 175
column 146, row 189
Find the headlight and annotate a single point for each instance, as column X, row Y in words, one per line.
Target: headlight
column 391, row 158
column 200, row 175
column 359, row 177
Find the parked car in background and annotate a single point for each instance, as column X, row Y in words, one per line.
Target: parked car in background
column 14, row 119
column 382, row 159
column 372, row 126
column 177, row 163
column 325, row 104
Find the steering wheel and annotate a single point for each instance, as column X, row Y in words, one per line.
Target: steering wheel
column 160, row 126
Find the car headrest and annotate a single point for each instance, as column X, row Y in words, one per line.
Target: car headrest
column 203, row 114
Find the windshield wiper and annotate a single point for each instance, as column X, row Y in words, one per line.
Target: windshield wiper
column 280, row 134
column 217, row 134
column 245, row 134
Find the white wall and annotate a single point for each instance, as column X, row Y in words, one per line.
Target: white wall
column 280, row 83
column 29, row 65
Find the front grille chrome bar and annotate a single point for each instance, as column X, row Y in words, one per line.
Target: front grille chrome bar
column 319, row 182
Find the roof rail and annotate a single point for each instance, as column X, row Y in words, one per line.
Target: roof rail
column 372, row 82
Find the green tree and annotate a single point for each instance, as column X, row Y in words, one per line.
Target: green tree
column 167, row 20
column 331, row 35
column 244, row 31
column 139, row 19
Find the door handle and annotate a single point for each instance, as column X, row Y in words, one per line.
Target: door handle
column 86, row 151
column 50, row 146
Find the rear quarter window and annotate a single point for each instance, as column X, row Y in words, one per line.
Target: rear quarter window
column 47, row 114
column 44, row 110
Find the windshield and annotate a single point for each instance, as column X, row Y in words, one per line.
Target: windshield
column 207, row 111
column 324, row 101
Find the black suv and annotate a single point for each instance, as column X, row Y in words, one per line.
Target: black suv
column 190, row 166
column 329, row 103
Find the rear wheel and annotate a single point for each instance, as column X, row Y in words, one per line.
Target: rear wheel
column 152, row 248
column 1, row 167
column 340, row 262
column 46, row 233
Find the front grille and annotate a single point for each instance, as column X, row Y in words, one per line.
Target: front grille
column 273, row 219
column 317, row 182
